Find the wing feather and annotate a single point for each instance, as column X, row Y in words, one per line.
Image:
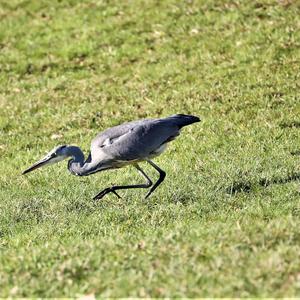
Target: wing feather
column 134, row 140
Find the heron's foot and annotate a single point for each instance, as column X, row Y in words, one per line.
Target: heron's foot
column 104, row 192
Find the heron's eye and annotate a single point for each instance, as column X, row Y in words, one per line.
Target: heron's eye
column 53, row 155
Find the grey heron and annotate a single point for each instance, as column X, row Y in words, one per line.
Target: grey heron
column 118, row 146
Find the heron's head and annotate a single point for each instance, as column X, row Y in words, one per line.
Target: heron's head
column 55, row 155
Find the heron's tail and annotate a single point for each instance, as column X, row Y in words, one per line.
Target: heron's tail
column 183, row 120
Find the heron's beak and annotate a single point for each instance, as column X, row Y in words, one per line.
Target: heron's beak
column 44, row 161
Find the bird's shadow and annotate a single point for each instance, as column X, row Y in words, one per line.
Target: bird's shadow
column 247, row 186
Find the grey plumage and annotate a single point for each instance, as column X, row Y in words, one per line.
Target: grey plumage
column 128, row 143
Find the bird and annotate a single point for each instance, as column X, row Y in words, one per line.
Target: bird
column 127, row 144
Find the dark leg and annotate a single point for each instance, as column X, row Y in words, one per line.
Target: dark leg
column 113, row 189
column 162, row 175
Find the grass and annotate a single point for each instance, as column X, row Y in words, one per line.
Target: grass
column 226, row 220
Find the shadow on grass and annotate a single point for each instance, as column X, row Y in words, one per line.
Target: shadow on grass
column 81, row 206
column 247, row 186
column 290, row 124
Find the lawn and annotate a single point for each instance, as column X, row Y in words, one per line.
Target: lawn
column 225, row 222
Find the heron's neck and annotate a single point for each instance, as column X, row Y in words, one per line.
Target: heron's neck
column 79, row 166
column 76, row 163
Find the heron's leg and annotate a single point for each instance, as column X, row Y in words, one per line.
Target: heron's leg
column 113, row 189
column 162, row 175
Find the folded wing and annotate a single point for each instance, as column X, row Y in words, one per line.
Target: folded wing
column 134, row 140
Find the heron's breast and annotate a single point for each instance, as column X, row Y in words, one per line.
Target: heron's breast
column 159, row 150
column 123, row 163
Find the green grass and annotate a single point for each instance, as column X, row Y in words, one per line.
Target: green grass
column 226, row 220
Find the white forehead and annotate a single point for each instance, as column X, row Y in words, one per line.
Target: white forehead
column 57, row 148
column 60, row 154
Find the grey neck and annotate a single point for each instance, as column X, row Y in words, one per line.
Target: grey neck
column 76, row 163
column 78, row 166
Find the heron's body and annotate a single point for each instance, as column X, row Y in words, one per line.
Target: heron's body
column 125, row 144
